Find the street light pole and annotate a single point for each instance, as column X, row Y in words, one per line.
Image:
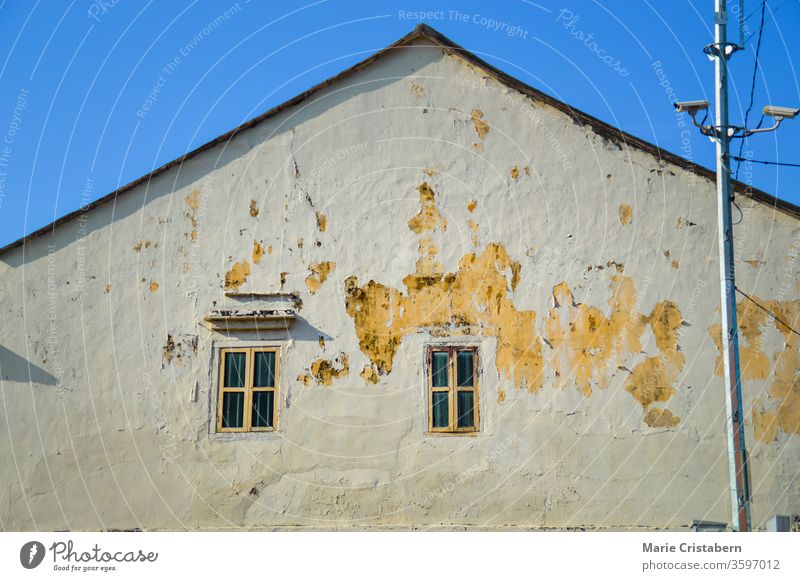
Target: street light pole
column 734, row 421
column 721, row 132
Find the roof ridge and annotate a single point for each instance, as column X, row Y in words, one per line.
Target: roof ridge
column 425, row 31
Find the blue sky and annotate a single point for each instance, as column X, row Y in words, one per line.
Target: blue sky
column 75, row 77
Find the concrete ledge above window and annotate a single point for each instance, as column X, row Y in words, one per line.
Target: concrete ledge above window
column 227, row 320
column 248, row 312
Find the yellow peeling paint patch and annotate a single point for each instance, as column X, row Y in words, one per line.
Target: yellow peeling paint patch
column 477, row 146
column 193, row 200
column 153, row 286
column 428, row 218
column 473, row 226
column 319, row 274
column 140, row 245
column 324, row 372
column 625, row 214
column 590, row 343
column 253, row 209
column 269, row 250
column 501, row 396
column 427, row 263
column 258, row 252
column 471, row 206
column 417, row 90
column 194, row 235
column 322, row 222
column 780, row 411
column 661, row 418
column 481, row 126
column 478, row 295
column 237, row 275
column 369, row 374
column 515, row 172
column 676, row 264
column 108, row 288
column 754, row 263
column 305, row 379
column 429, row 171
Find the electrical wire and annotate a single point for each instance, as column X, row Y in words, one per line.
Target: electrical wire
column 753, row 83
column 766, row 310
column 772, row 14
column 780, row 163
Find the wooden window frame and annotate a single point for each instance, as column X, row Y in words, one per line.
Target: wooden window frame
column 453, row 389
column 248, row 389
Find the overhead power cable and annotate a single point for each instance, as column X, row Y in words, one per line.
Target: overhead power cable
column 753, row 83
column 780, row 163
column 766, row 310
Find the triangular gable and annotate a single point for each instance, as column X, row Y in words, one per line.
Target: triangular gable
column 426, row 33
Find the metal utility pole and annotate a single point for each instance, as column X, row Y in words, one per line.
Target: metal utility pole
column 734, row 422
column 721, row 132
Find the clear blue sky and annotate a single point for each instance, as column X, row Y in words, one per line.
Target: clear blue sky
column 75, row 76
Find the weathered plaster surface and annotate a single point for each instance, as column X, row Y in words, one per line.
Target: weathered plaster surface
column 412, row 203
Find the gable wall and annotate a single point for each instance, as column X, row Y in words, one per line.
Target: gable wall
column 599, row 402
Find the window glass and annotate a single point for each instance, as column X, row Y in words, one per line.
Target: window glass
column 264, row 369
column 263, row 402
column 466, row 415
column 233, row 409
column 440, row 409
column 235, row 365
column 465, row 365
column 439, row 360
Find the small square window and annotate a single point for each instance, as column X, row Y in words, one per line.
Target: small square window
column 248, row 390
column 452, row 389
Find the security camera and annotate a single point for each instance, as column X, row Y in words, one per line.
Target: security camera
column 781, row 112
column 690, row 107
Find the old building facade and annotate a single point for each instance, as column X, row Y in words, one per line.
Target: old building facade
column 421, row 294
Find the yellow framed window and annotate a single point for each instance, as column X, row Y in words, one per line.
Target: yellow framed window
column 452, row 389
column 248, row 390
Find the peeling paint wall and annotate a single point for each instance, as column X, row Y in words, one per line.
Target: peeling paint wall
column 417, row 202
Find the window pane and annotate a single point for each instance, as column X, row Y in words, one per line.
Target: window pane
column 264, row 369
column 466, row 414
column 439, row 361
column 465, row 365
column 233, row 409
column 263, row 402
column 234, row 369
column 440, row 409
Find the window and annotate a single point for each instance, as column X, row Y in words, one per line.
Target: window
column 248, row 390
column 452, row 389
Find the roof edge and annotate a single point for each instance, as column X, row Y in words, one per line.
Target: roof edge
column 428, row 33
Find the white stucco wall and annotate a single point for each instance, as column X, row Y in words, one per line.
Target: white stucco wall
column 100, row 429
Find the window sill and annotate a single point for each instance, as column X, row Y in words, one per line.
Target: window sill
column 260, row 435
column 471, row 433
